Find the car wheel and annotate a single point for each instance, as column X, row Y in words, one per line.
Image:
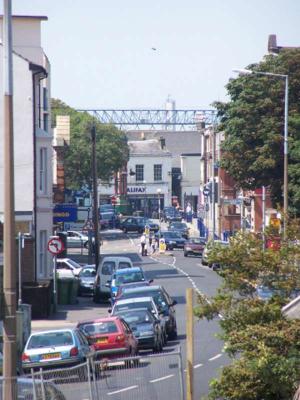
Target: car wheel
column 185, row 254
column 96, row 298
column 173, row 335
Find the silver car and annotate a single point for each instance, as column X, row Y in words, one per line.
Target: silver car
column 77, row 239
column 54, row 348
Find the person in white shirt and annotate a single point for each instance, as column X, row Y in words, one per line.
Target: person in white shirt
column 143, row 243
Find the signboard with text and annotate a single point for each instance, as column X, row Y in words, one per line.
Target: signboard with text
column 65, row 213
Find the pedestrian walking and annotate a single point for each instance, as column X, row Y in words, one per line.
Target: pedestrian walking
column 143, row 243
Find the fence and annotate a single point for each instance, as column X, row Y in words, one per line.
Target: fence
column 149, row 377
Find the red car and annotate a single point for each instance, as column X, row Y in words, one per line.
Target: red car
column 110, row 337
column 194, row 246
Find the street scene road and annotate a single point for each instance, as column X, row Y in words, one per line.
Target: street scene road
column 176, row 273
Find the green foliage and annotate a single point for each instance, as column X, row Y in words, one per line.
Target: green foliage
column 111, row 147
column 263, row 344
column 253, row 122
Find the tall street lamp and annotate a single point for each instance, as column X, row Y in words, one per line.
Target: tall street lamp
column 159, row 207
column 95, row 196
column 285, row 160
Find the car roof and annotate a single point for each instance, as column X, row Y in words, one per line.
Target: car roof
column 144, row 288
column 116, row 258
column 134, row 309
column 125, row 270
column 53, row 330
column 97, row 320
column 134, row 300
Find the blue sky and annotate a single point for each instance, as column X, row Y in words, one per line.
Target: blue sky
column 101, row 51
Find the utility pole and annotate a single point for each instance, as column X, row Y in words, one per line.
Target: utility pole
column 95, row 196
column 9, row 271
column 213, row 194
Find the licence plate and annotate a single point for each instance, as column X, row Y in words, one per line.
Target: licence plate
column 102, row 340
column 50, row 356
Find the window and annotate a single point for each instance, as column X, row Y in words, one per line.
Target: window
column 43, row 170
column 42, row 253
column 139, row 172
column 45, row 99
column 45, row 122
column 157, row 172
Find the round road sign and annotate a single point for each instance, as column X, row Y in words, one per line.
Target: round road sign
column 206, row 191
column 55, row 246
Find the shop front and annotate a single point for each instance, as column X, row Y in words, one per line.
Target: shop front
column 145, row 200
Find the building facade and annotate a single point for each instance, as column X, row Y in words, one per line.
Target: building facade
column 32, row 140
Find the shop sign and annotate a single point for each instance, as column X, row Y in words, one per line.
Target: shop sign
column 136, row 189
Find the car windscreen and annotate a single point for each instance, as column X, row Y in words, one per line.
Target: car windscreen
column 157, row 296
column 196, row 241
column 124, row 264
column 178, row 225
column 174, row 235
column 99, row 328
column 108, row 267
column 87, row 273
column 136, row 317
column 74, row 264
column 50, row 339
column 129, row 277
column 130, row 306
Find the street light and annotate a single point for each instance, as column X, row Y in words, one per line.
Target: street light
column 95, row 195
column 159, row 208
column 285, row 161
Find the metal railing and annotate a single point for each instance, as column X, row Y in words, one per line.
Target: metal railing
column 155, row 377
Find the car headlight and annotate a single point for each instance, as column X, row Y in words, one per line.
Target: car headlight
column 188, row 248
column 171, row 242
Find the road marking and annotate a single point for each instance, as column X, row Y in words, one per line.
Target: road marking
column 198, row 366
column 215, row 357
column 122, row 390
column 161, row 379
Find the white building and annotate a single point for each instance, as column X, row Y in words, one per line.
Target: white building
column 32, row 138
column 149, row 176
column 190, row 179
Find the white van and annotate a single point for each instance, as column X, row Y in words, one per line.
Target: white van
column 105, row 270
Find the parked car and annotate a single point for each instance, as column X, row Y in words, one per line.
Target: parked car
column 29, row 389
column 171, row 214
column 110, row 336
column 194, row 246
column 132, row 285
column 208, row 247
column 104, row 272
column 77, row 239
column 137, row 224
column 140, row 302
column 54, row 348
column 180, row 227
column 69, row 265
column 173, row 239
column 164, row 303
column 86, row 280
column 125, row 275
column 145, row 327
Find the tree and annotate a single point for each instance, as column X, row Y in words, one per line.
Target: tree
column 111, row 146
column 262, row 343
column 253, row 122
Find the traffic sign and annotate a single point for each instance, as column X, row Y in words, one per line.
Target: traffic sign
column 113, row 200
column 88, row 226
column 55, row 246
column 206, row 191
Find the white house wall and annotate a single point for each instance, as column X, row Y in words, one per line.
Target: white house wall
column 23, row 137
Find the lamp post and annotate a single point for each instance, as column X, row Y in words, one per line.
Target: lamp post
column 95, row 196
column 145, row 198
column 159, row 208
column 285, row 161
